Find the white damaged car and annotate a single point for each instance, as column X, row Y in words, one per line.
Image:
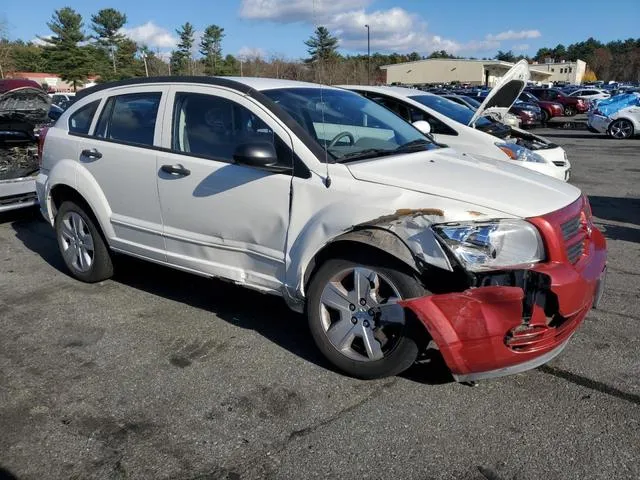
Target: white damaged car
column 388, row 243
column 471, row 132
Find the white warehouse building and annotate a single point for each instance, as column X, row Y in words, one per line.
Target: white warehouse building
column 570, row 72
column 463, row 71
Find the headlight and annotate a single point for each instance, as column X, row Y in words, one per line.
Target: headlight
column 519, row 153
column 492, row 245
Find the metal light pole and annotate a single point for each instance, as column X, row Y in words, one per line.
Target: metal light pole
column 368, row 55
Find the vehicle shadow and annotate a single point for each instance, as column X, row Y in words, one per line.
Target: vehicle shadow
column 570, row 133
column 618, row 209
column 617, row 232
column 39, row 237
column 6, row 474
column 265, row 314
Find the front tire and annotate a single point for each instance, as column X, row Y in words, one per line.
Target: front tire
column 354, row 319
column 569, row 111
column 81, row 244
column 621, row 129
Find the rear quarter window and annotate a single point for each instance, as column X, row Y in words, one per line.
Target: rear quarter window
column 80, row 120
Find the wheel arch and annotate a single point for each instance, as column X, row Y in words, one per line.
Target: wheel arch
column 62, row 192
column 72, row 179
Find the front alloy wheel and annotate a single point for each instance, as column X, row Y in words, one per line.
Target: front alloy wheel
column 356, row 321
column 353, row 315
column 621, row 129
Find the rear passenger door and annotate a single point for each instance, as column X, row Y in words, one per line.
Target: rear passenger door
column 120, row 154
column 221, row 218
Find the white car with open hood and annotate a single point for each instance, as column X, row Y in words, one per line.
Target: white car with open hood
column 388, row 242
column 471, row 132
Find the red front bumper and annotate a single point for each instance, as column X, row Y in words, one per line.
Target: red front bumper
column 480, row 332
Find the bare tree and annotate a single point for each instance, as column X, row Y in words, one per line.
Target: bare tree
column 5, row 48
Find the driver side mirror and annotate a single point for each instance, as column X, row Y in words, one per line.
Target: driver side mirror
column 423, row 126
column 260, row 155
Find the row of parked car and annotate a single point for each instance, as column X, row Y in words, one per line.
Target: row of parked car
column 347, row 202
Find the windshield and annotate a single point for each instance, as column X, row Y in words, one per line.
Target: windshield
column 347, row 125
column 472, row 101
column 453, row 110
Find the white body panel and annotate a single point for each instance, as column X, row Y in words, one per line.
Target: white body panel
column 17, row 193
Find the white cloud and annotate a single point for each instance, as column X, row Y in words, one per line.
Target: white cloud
column 286, row 11
column 512, row 35
column 521, row 47
column 393, row 29
column 151, row 35
column 41, row 40
column 248, row 53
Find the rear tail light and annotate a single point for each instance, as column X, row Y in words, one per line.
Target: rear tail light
column 41, row 137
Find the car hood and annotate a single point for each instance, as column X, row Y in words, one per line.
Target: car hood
column 495, row 184
column 506, row 91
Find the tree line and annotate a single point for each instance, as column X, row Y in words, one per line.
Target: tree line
column 76, row 52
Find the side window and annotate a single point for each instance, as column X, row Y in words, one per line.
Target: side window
column 394, row 105
column 129, row 118
column 213, row 127
column 436, row 125
column 80, row 120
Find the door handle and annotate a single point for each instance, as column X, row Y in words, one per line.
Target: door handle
column 93, row 153
column 175, row 170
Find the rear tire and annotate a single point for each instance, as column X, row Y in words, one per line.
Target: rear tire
column 82, row 246
column 620, row 129
column 544, row 117
column 361, row 343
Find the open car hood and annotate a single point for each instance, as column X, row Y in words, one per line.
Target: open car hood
column 506, row 92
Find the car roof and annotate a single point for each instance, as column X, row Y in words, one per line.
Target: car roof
column 242, row 84
column 261, row 83
column 397, row 91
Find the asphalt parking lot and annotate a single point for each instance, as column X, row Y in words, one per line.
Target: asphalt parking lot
column 158, row 374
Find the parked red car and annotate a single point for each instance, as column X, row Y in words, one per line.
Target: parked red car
column 548, row 109
column 572, row 105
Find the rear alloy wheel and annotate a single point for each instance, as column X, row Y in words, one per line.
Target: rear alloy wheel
column 81, row 245
column 355, row 320
column 621, row 129
column 569, row 111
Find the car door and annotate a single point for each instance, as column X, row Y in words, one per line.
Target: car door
column 221, row 218
column 119, row 153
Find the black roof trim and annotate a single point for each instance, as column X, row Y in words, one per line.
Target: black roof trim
column 217, row 81
column 278, row 111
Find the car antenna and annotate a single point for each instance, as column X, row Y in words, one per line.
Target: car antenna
column 327, row 180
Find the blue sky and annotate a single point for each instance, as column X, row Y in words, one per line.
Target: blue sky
column 465, row 27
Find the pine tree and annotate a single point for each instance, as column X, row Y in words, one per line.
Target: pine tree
column 181, row 63
column 322, row 45
column 63, row 53
column 211, row 48
column 107, row 24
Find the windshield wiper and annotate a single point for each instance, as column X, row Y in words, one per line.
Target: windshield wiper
column 413, row 145
column 362, row 154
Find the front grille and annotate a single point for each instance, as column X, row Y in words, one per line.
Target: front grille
column 559, row 163
column 574, row 238
column 570, row 228
column 575, row 251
